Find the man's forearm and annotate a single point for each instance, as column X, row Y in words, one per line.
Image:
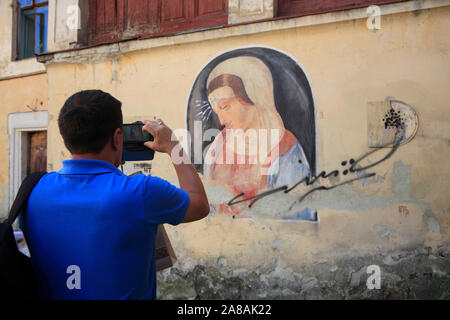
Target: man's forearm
column 164, row 141
column 190, row 182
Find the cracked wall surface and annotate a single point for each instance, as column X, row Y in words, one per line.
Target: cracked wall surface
column 398, row 219
column 406, row 273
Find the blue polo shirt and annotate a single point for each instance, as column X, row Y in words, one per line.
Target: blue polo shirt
column 91, row 217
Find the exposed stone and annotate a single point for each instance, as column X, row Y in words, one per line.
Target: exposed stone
column 431, row 222
column 384, row 231
column 334, row 268
column 222, row 262
column 411, row 273
column 355, row 278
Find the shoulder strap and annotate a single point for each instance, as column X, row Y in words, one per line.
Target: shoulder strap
column 22, row 195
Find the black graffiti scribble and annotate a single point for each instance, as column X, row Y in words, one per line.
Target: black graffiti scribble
column 393, row 120
column 354, row 167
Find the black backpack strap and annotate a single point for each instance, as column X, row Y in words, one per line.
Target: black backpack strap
column 17, row 278
column 22, row 196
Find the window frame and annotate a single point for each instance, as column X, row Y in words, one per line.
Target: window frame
column 33, row 6
column 191, row 22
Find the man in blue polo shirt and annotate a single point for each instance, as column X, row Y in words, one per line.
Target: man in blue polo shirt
column 91, row 220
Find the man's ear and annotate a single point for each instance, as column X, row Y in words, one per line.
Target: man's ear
column 117, row 139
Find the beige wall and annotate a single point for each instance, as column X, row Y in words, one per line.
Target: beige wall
column 23, row 88
column 22, row 94
column 348, row 66
column 8, row 67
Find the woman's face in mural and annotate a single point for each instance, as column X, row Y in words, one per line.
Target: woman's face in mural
column 232, row 111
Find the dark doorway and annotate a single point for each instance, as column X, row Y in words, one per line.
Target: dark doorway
column 37, row 153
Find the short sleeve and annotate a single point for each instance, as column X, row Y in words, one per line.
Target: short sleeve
column 164, row 202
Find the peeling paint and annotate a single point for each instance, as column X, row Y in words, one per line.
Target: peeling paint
column 384, row 231
column 116, row 66
column 401, row 181
column 304, row 215
column 430, row 221
column 277, row 243
column 407, row 274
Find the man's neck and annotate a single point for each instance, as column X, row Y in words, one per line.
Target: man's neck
column 95, row 156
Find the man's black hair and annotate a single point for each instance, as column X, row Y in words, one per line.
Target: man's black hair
column 88, row 120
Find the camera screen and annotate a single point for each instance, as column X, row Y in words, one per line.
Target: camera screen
column 136, row 132
column 133, row 133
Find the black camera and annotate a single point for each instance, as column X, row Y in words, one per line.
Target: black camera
column 133, row 143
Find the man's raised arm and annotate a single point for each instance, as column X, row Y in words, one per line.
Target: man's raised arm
column 187, row 176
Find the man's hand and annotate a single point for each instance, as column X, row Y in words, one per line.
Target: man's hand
column 164, row 140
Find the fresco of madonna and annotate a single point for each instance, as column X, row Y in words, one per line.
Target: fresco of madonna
column 261, row 138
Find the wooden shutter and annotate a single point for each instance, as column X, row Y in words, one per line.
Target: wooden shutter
column 125, row 19
column 181, row 15
column 305, row 7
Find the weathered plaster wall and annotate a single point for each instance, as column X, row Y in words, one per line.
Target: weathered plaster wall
column 22, row 94
column 62, row 15
column 248, row 10
column 67, row 23
column 9, row 68
column 404, row 206
column 23, row 88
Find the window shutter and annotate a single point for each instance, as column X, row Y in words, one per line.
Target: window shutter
column 140, row 16
column 214, row 11
column 125, row 19
column 182, row 15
